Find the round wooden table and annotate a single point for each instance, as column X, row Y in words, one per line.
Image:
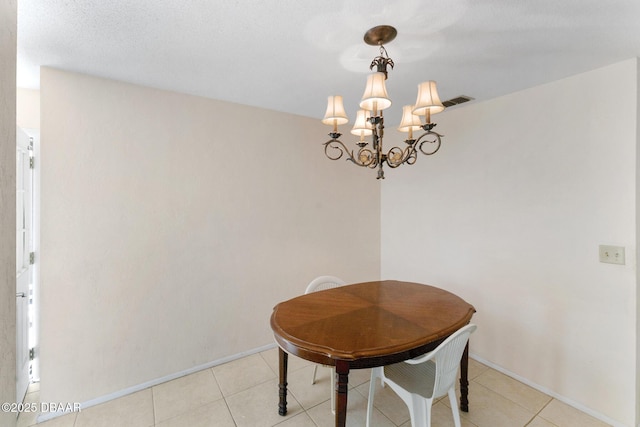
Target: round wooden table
column 365, row 325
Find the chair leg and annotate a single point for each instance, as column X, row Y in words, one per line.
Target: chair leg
column 375, row 374
column 333, row 391
column 453, row 401
column 420, row 411
column 313, row 379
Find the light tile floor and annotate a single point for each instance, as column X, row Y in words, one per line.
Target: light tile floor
column 245, row 393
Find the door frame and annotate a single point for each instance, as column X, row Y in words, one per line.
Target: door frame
column 33, row 310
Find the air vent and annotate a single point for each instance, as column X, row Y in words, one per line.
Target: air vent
column 457, row 100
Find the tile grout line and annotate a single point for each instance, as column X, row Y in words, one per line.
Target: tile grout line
column 513, row 401
column 153, row 404
column 75, row 419
column 224, row 398
column 539, row 412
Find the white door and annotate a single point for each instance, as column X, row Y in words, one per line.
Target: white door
column 24, row 270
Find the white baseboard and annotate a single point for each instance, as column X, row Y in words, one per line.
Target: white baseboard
column 549, row 392
column 145, row 385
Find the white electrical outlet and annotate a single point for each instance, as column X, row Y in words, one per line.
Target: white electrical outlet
column 612, row 254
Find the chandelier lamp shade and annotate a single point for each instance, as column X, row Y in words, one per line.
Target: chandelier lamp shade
column 370, row 121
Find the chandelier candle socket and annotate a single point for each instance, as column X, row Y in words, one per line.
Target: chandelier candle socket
column 370, row 121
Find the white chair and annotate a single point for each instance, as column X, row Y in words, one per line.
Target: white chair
column 323, row 282
column 320, row 284
column 418, row 381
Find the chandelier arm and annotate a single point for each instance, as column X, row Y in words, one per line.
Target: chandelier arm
column 365, row 156
column 412, row 155
column 333, row 143
column 408, row 156
column 411, row 159
column 435, row 141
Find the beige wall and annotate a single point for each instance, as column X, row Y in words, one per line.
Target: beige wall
column 28, row 108
column 509, row 214
column 172, row 224
column 8, row 14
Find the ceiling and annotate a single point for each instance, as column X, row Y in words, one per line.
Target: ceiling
column 289, row 55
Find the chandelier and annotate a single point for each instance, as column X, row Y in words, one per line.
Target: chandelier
column 370, row 120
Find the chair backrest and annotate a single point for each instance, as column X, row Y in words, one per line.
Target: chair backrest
column 447, row 359
column 323, row 282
